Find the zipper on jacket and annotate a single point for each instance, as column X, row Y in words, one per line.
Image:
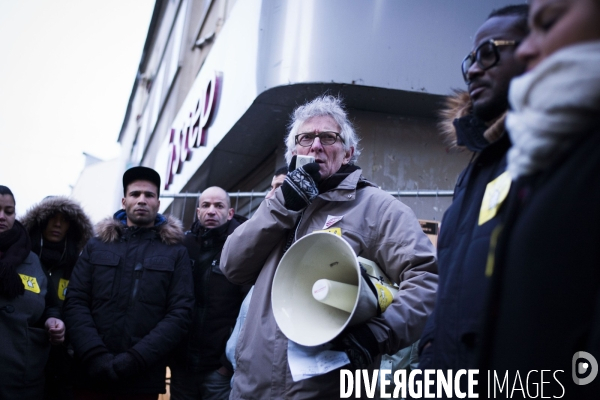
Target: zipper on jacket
column 137, row 274
column 295, row 235
column 298, row 226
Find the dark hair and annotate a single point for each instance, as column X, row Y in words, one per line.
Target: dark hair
column 281, row 171
column 520, row 11
column 5, row 190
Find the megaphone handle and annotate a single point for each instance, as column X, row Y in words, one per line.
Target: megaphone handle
column 367, row 279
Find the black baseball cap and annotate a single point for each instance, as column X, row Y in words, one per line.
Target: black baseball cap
column 141, row 174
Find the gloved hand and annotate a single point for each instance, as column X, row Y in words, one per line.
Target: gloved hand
column 100, row 368
column 126, row 365
column 300, row 185
column 359, row 344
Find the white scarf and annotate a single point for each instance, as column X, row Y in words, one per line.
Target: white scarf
column 553, row 105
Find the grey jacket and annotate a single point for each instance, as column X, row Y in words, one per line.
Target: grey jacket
column 379, row 228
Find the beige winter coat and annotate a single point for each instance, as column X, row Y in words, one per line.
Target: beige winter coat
column 378, row 227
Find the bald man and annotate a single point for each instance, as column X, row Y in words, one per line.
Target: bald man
column 200, row 369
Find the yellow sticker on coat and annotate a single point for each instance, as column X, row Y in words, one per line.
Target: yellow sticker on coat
column 495, row 193
column 62, row 288
column 30, row 283
column 335, row 231
column 385, row 296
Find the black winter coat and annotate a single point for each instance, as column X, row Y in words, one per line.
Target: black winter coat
column 545, row 292
column 218, row 301
column 131, row 289
column 25, row 344
column 59, row 368
column 454, row 328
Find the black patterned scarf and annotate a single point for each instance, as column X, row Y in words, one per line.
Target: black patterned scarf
column 334, row 180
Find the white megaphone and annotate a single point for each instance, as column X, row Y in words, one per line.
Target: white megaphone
column 318, row 289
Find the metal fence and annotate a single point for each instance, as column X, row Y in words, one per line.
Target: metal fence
column 245, row 203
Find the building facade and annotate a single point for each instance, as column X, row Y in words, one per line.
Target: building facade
column 218, row 80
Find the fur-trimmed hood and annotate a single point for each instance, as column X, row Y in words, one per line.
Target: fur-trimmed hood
column 37, row 217
column 457, row 106
column 169, row 228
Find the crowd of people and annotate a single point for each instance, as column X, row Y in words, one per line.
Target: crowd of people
column 514, row 284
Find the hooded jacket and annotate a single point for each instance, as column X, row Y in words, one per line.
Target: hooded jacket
column 217, row 300
column 58, row 260
column 80, row 231
column 378, row 227
column 453, row 330
column 131, row 290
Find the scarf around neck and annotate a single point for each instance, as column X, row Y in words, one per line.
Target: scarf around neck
column 553, row 105
column 54, row 255
column 14, row 249
column 334, row 180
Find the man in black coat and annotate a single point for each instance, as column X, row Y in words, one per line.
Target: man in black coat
column 200, row 369
column 475, row 120
column 130, row 297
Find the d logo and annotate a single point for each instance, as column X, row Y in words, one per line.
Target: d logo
column 580, row 368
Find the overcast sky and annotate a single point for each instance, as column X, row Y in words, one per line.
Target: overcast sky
column 66, row 72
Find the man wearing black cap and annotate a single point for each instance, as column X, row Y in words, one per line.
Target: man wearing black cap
column 130, row 297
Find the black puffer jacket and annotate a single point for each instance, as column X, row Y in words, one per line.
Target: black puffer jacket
column 131, row 290
column 454, row 328
column 218, row 301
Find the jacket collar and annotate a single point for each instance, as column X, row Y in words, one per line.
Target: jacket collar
column 475, row 135
column 224, row 230
column 470, row 133
column 168, row 228
column 346, row 190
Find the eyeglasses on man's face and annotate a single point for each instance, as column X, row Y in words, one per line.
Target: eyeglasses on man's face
column 326, row 138
column 486, row 55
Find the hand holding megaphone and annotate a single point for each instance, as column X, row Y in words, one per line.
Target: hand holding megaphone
column 359, row 344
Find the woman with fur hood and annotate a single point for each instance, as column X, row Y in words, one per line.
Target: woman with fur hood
column 58, row 229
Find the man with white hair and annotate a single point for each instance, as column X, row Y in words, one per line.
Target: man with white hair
column 328, row 193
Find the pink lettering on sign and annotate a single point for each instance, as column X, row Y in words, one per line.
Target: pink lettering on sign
column 193, row 132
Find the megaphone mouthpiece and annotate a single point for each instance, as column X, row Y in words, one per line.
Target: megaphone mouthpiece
column 335, row 294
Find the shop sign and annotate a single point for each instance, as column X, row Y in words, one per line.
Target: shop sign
column 193, row 131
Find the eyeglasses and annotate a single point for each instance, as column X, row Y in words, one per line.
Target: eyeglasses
column 486, row 55
column 326, row 138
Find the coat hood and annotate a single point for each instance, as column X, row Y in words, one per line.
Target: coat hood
column 37, row 217
column 168, row 228
column 457, row 106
